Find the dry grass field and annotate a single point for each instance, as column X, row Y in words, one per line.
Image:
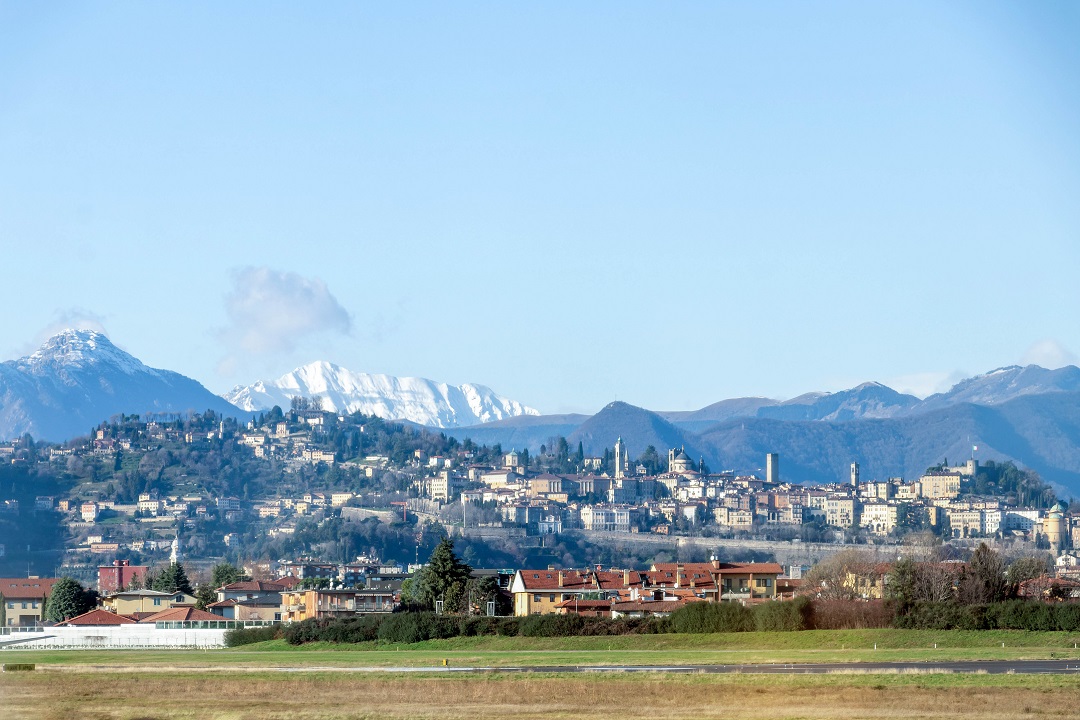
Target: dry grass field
column 58, row 695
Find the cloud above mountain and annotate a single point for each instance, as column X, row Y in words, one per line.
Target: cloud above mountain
column 1050, row 354
column 271, row 313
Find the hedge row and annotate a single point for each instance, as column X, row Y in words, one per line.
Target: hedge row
column 411, row 627
column 1009, row 615
column 706, row 617
column 246, row 636
column 700, row 617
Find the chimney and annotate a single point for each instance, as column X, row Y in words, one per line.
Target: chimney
column 561, row 578
column 678, row 574
column 626, row 578
column 715, row 562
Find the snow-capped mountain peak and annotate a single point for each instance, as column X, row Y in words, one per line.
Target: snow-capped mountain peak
column 75, row 350
column 77, row 378
column 396, row 398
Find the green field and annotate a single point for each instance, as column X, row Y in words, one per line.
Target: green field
column 726, row 648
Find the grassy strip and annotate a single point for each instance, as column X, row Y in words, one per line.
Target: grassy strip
column 325, row 696
column 723, row 648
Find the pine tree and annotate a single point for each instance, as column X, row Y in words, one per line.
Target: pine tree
column 444, row 578
column 172, row 579
column 224, row 574
column 67, row 599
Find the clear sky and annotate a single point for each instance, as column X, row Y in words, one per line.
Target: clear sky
column 667, row 203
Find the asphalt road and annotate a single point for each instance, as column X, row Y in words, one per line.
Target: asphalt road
column 991, row 667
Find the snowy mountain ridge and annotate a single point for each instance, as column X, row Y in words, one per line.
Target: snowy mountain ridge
column 418, row 400
column 78, row 378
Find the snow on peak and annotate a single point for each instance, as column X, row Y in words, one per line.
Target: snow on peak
column 395, row 398
column 73, row 349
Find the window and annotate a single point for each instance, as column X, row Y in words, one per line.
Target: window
column 536, row 598
column 762, row 582
column 24, row 605
column 551, row 597
column 157, row 601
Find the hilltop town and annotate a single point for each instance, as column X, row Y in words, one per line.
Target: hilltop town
column 294, row 484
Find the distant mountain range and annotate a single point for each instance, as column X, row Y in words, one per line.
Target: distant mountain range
column 1027, row 414
column 417, row 400
column 78, row 378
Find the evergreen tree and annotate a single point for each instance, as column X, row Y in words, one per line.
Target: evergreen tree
column 444, row 578
column 172, row 579
column 205, row 595
column 225, row 574
column 67, row 599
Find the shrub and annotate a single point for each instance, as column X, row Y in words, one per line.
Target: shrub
column 707, row 617
column 245, row 636
column 779, row 616
column 405, row 627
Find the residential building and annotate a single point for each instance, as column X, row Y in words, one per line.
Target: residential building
column 22, row 600
column 940, row 485
column 132, row 602
column 118, row 576
column 298, row 605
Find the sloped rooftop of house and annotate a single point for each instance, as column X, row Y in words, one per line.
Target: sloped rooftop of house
column 26, row 588
column 180, row 614
column 99, row 618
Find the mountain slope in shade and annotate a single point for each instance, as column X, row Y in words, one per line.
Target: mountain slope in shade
column 524, row 431
column 706, row 417
column 869, row 400
column 78, row 378
column 637, row 427
column 1041, row 432
column 415, row 399
column 1005, row 384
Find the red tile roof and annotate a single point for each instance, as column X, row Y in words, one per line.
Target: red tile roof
column 580, row 580
column 26, row 588
column 98, row 618
column 259, row 585
column 181, row 614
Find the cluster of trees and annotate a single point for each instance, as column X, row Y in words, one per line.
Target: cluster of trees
column 446, row 584
column 67, row 599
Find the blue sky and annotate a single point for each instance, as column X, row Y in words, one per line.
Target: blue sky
column 666, row 203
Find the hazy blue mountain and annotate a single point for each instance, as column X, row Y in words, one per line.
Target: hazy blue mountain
column 638, row 428
column 1041, row 432
column 1004, row 384
column 869, row 400
column 79, row 378
column 706, row 417
column 522, row 432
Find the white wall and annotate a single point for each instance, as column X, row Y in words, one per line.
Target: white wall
column 113, row 637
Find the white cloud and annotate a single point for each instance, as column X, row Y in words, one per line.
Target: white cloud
column 271, row 312
column 925, row 384
column 1050, row 354
column 70, row 319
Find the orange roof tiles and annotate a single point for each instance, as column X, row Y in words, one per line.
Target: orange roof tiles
column 26, row 588
column 181, row 614
column 98, row 618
